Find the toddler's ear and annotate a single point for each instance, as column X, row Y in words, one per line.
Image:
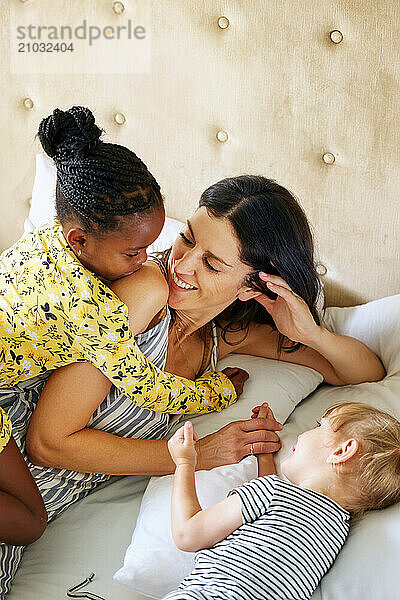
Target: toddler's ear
column 343, row 452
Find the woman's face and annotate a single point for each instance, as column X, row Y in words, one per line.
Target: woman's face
column 121, row 252
column 205, row 269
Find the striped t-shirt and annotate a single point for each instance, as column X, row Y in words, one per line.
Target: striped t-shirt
column 289, row 539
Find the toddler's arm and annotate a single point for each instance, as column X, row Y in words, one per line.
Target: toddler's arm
column 192, row 527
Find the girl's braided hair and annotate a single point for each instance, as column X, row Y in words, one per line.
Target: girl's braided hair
column 97, row 183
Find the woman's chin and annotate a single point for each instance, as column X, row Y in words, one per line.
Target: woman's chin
column 179, row 298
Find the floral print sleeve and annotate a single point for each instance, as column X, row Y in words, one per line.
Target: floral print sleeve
column 5, row 429
column 115, row 353
column 54, row 312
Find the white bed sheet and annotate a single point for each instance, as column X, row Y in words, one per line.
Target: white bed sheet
column 90, row 536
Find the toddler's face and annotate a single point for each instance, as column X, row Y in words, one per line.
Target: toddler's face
column 308, row 457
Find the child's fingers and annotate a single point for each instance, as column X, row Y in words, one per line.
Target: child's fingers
column 263, row 412
column 178, row 437
column 256, row 409
column 188, row 432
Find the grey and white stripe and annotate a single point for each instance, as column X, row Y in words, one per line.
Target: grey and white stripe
column 289, row 539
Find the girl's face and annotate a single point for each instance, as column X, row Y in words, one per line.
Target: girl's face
column 205, row 268
column 309, row 456
column 121, row 253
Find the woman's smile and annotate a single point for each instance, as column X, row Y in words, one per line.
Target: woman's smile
column 177, row 283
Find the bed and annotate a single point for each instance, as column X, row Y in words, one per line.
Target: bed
column 307, row 94
column 92, row 536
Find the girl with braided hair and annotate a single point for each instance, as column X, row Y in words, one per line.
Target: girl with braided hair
column 57, row 308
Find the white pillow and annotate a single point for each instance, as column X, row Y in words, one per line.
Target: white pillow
column 43, row 202
column 283, row 385
column 43, row 209
column 153, row 565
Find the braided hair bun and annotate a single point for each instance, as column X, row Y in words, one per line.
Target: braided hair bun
column 97, row 183
column 69, row 131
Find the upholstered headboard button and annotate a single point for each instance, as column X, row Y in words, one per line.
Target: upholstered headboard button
column 120, row 118
column 222, row 136
column 328, row 158
column 321, row 269
column 223, row 22
column 28, row 103
column 336, row 36
column 118, row 8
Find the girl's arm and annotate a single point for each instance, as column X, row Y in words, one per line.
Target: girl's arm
column 23, row 516
column 192, row 527
column 340, row 359
column 58, row 435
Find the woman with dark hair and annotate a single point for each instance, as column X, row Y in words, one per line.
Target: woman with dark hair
column 225, row 296
column 85, row 427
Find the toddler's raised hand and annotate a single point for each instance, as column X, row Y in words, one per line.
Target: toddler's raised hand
column 264, row 411
column 181, row 445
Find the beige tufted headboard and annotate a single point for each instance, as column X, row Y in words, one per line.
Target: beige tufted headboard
column 301, row 91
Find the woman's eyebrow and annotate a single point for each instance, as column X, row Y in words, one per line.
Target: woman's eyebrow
column 207, row 251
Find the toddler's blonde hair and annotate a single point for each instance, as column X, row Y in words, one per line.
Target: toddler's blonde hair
column 376, row 482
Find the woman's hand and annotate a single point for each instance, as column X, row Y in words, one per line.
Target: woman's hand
column 181, row 445
column 233, row 442
column 238, row 378
column 289, row 312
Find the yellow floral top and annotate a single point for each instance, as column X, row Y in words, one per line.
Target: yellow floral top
column 5, row 429
column 53, row 312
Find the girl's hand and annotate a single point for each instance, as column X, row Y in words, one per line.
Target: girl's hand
column 181, row 445
column 238, row 378
column 289, row 312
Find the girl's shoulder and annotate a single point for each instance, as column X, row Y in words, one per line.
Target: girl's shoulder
column 145, row 293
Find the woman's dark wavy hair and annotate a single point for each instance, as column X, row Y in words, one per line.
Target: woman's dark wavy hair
column 271, row 227
column 97, row 183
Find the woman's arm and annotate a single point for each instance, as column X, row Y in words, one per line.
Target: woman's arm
column 340, row 359
column 23, row 516
column 192, row 527
column 57, row 435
